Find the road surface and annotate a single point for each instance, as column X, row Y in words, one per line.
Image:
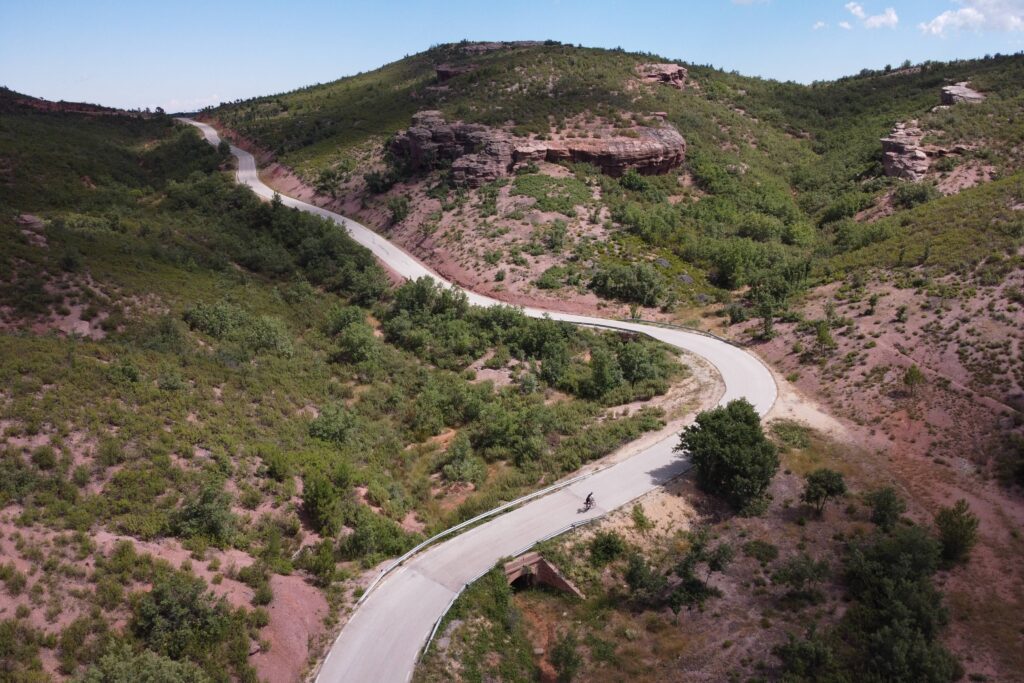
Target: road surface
column 382, row 640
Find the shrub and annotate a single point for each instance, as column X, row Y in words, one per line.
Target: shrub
column 638, row 282
column 886, row 507
column 958, row 531
column 909, row 195
column 44, row 457
column 565, row 657
column 179, row 618
column 399, row 208
column 731, row 454
column 122, row 664
column 606, row 546
column 321, row 501
column 552, row 194
column 333, row 424
column 801, row 575
column 762, row 551
column 207, row 515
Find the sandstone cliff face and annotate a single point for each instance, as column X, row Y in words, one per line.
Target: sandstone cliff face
column 902, row 154
column 480, row 154
column 961, row 93
column 448, row 71
column 668, row 74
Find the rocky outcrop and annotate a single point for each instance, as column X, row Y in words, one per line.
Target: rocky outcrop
column 448, row 71
column 484, row 47
column 668, row 74
column 479, row 154
column 654, row 150
column 902, row 154
column 961, row 93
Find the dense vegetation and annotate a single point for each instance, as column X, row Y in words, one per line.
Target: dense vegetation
column 229, row 351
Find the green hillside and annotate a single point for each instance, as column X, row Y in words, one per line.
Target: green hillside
column 182, row 361
column 779, row 168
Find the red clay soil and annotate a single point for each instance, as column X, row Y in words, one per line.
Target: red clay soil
column 937, row 442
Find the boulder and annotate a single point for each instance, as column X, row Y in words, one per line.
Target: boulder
column 671, row 75
column 961, row 93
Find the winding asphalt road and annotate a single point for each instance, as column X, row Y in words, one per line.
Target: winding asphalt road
column 383, row 638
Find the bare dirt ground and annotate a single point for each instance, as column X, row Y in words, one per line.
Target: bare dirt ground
column 937, row 441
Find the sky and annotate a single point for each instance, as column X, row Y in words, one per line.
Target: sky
column 186, row 55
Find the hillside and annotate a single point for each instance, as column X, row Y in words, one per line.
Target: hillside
column 783, row 189
column 218, row 414
column 881, row 280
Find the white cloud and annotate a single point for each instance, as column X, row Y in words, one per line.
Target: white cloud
column 887, row 19
column 978, row 15
column 818, row 25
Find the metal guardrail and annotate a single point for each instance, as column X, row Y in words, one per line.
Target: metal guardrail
column 437, row 624
column 563, row 530
column 470, row 522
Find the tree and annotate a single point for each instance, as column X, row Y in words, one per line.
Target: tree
column 822, row 485
column 731, row 454
column 886, row 507
column 958, row 531
column 913, row 378
column 605, row 373
column 321, row 502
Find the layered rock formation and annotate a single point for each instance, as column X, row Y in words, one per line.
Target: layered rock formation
column 480, row 154
column 902, row 154
column 961, row 93
column 668, row 74
column 448, row 71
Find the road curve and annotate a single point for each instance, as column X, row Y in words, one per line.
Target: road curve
column 385, row 634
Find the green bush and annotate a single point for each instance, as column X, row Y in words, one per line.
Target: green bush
column 958, row 531
column 606, row 546
column 638, row 283
column 333, row 424
column 207, row 515
column 730, row 453
column 886, row 507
